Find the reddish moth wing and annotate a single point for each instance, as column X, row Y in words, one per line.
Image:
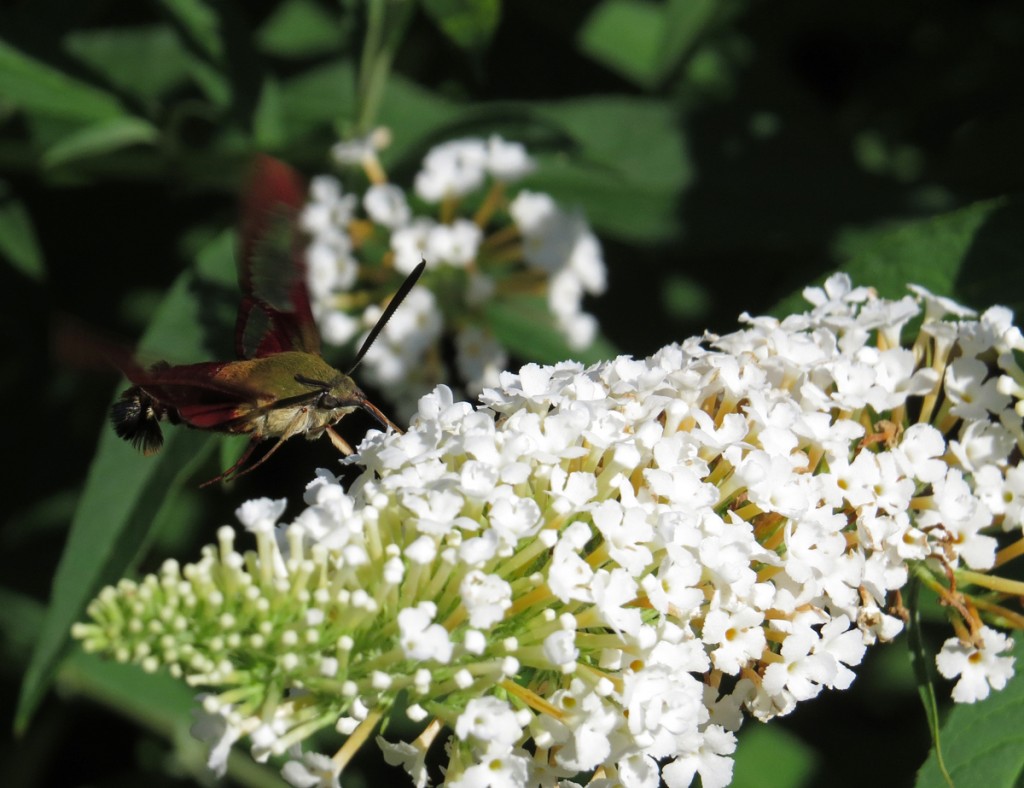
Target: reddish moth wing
column 281, row 386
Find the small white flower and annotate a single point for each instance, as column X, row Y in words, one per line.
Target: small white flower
column 560, row 648
column 312, row 770
column 451, row 169
column 385, row 204
column 979, row 668
column 486, row 597
column 489, row 719
column 261, row 514
column 214, row 730
column 422, row 639
column 409, row 243
column 507, row 161
column 356, row 151
column 738, row 636
column 409, row 757
column 479, row 357
column 455, row 243
column 973, row 391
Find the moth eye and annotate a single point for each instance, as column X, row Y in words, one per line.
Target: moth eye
column 328, row 402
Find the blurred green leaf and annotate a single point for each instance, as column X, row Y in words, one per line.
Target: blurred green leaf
column 637, row 139
column 685, row 21
column 20, row 617
column 200, row 24
column 230, row 449
column 684, row 298
column 469, row 24
column 613, row 206
column 625, row 36
column 125, row 494
column 300, row 29
column 971, row 252
column 982, row 743
column 161, row 704
column 101, row 137
column 771, row 750
column 922, row 660
column 200, row 29
column 268, row 124
column 145, row 62
column 318, row 97
column 417, row 116
column 156, row 701
column 34, row 86
column 18, row 241
column 526, row 328
column 629, row 167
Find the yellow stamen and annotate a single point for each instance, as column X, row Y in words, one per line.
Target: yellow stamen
column 531, row 698
column 358, row 738
column 1010, row 552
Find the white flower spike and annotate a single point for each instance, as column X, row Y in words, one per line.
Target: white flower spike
column 598, row 568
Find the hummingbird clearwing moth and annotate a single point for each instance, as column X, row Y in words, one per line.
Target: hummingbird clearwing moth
column 280, row 386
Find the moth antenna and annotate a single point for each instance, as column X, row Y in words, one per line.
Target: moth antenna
column 396, row 301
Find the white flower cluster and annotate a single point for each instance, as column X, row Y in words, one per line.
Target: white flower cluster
column 528, row 244
column 601, row 568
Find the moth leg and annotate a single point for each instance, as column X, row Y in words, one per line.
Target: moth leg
column 294, row 427
column 241, row 461
column 339, row 442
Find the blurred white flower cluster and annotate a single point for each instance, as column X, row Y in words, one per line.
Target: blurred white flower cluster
column 481, row 245
column 598, row 570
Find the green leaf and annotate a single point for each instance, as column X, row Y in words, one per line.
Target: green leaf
column 300, row 29
column 421, row 115
column 268, row 121
column 971, row 253
column 685, row 22
column 613, row 206
column 20, row 617
column 200, row 29
column 526, row 328
column 628, row 164
column 160, row 704
column 99, row 138
column 635, row 139
column 625, row 36
column 125, row 494
column 18, row 242
column 469, row 24
column 922, row 660
column 982, row 743
column 145, row 62
column 318, row 97
column 155, row 701
column 684, row 298
column 200, row 24
column 772, row 750
column 34, row 86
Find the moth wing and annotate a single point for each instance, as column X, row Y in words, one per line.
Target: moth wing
column 275, row 313
column 202, row 394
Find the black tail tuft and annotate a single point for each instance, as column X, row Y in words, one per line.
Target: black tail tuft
column 136, row 419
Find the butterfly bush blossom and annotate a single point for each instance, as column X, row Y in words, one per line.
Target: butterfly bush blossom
column 481, row 244
column 598, row 572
